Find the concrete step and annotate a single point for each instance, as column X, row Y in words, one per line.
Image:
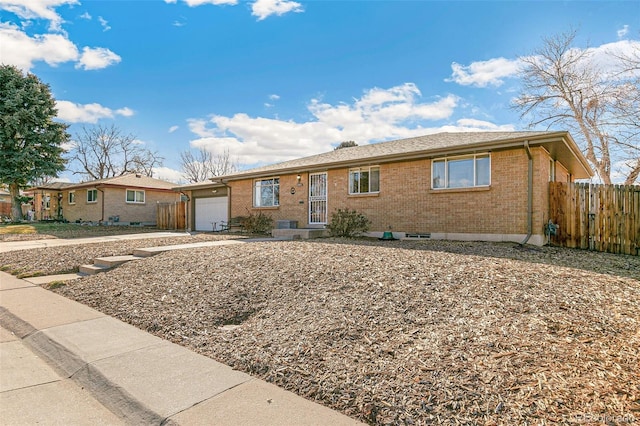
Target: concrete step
column 113, row 261
column 148, row 252
column 93, row 269
column 300, row 233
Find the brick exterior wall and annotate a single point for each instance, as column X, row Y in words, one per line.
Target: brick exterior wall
column 406, row 202
column 115, row 205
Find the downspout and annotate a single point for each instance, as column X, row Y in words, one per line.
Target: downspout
column 187, row 218
column 228, row 199
column 102, row 198
column 529, row 194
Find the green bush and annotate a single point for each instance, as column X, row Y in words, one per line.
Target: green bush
column 258, row 223
column 348, row 223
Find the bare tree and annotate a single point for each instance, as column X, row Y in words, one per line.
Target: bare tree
column 104, row 151
column 202, row 164
column 563, row 85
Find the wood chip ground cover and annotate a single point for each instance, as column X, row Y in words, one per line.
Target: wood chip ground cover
column 64, row 259
column 402, row 332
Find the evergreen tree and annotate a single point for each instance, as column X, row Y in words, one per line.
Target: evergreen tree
column 30, row 141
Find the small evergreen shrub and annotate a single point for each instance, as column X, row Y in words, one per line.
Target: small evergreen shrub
column 258, row 223
column 348, row 223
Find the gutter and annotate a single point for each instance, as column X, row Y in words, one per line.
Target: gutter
column 529, row 194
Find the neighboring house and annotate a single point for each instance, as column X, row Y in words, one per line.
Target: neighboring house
column 46, row 203
column 5, row 204
column 490, row 186
column 131, row 198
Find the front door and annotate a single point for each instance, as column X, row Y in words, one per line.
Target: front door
column 318, row 198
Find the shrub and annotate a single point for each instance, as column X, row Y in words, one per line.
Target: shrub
column 348, row 223
column 258, row 223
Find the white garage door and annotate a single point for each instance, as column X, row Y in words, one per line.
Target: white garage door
column 209, row 210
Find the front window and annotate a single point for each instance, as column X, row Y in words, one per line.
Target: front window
column 72, row 197
column 266, row 192
column 364, row 180
column 134, row 196
column 92, row 195
column 461, row 172
column 46, row 201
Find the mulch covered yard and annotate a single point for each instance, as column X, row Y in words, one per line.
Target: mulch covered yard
column 402, row 332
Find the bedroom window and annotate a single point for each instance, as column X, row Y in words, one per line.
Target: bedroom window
column 72, row 197
column 92, row 195
column 134, row 196
column 461, row 172
column 364, row 180
column 266, row 192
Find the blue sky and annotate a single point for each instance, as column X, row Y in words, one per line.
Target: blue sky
column 272, row 80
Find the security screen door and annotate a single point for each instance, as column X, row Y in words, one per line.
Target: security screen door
column 318, row 198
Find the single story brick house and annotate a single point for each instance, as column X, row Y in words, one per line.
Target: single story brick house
column 5, row 203
column 488, row 186
column 126, row 199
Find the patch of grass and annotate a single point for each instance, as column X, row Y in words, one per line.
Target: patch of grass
column 30, row 274
column 55, row 284
column 18, row 229
column 72, row 230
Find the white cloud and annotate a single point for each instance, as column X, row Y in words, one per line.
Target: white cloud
column 623, row 31
column 88, row 113
column 274, row 97
column 484, row 73
column 260, row 8
column 380, row 114
column 94, row 58
column 37, row 9
column 17, row 48
column 195, row 3
column 86, row 16
column 173, row 129
column 125, row 112
column 104, row 23
column 603, row 56
column 168, row 174
column 265, row 8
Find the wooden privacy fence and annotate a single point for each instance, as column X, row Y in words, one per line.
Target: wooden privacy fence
column 596, row 217
column 171, row 215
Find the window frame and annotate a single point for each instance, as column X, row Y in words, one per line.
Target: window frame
column 135, row 196
column 447, row 160
column 275, row 194
column 360, row 170
column 71, row 198
column 92, row 191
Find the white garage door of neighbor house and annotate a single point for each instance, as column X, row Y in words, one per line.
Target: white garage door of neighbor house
column 209, row 210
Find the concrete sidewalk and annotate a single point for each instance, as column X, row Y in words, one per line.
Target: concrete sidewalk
column 62, row 362
column 57, row 242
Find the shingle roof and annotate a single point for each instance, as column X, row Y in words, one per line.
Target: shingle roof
column 132, row 180
column 434, row 144
column 56, row 186
column 429, row 145
column 420, row 144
